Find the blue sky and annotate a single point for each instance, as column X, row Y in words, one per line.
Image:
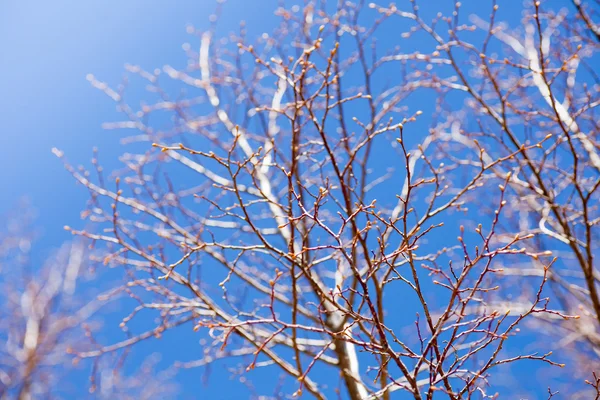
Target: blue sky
column 47, row 49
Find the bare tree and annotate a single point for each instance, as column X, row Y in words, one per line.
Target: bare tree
column 44, row 317
column 291, row 202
